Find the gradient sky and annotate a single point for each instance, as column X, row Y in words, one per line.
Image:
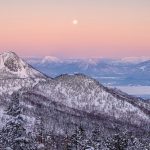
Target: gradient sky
column 106, row 28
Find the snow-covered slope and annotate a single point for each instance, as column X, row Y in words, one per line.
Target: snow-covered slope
column 11, row 66
column 66, row 96
column 83, row 93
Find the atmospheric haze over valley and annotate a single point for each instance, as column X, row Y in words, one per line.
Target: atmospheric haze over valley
column 130, row 74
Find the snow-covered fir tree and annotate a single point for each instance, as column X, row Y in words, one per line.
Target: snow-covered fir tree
column 13, row 134
column 78, row 140
column 39, row 129
column 117, row 141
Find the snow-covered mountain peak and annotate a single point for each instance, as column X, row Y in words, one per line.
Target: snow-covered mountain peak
column 13, row 66
column 83, row 93
column 135, row 59
column 11, row 61
column 48, row 59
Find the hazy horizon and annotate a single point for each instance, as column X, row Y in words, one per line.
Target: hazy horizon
column 64, row 28
column 125, row 58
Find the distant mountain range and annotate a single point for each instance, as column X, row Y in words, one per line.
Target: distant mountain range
column 68, row 101
column 110, row 72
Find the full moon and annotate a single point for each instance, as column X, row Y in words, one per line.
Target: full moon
column 75, row 21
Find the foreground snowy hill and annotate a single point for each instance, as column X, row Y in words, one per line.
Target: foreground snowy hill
column 56, row 107
column 84, row 93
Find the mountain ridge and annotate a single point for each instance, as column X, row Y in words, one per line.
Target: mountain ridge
column 12, row 65
column 110, row 72
column 81, row 92
column 68, row 101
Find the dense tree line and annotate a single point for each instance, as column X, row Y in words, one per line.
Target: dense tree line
column 14, row 136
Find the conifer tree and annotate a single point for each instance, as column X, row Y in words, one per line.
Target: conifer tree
column 78, row 139
column 13, row 135
column 39, row 128
column 117, row 141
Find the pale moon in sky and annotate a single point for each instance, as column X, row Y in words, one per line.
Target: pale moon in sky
column 75, row 21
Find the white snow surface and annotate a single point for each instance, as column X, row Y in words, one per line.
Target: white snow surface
column 13, row 66
column 75, row 91
column 47, row 59
column 85, row 94
column 41, row 146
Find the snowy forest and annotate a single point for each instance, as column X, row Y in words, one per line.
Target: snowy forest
column 14, row 136
column 69, row 112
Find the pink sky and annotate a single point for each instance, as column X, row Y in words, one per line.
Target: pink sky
column 106, row 28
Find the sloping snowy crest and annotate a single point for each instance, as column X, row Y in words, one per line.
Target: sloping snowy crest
column 13, row 66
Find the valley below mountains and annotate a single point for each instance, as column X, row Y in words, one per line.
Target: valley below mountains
column 67, row 112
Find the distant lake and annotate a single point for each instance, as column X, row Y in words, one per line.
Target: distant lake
column 140, row 91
